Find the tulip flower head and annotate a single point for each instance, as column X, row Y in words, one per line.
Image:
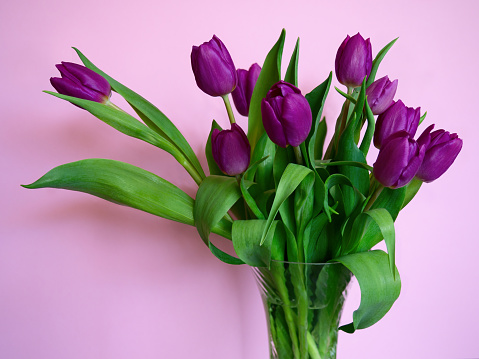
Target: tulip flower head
column 354, row 61
column 442, row 149
column 231, row 150
column 398, row 160
column 81, row 82
column 244, row 89
column 396, row 118
column 214, row 70
column 286, row 113
column 381, row 94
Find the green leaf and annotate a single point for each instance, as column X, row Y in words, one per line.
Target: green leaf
column 246, row 241
column 377, row 60
column 292, row 71
column 368, row 136
column 213, row 167
column 270, row 74
column 292, row 176
column 316, row 99
column 122, row 122
column 339, row 179
column 422, row 118
column 215, row 196
column 385, row 223
column 349, row 151
column 224, row 257
column 327, row 163
column 127, row 185
column 389, row 199
column 379, row 289
column 264, row 177
column 152, row 116
column 253, row 206
column 346, row 96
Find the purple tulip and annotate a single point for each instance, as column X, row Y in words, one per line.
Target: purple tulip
column 442, row 149
column 287, row 116
column 396, row 118
column 244, row 89
column 231, row 150
column 353, row 61
column 380, row 94
column 214, row 70
column 81, row 82
column 398, row 160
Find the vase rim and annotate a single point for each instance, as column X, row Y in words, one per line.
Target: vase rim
column 305, row 263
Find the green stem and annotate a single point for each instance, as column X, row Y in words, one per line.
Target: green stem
column 288, row 314
column 231, row 116
column 298, row 155
column 312, row 348
column 344, row 118
column 374, row 196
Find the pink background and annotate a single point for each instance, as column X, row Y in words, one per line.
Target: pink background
column 84, row 278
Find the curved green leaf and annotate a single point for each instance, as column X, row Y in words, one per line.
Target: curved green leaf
column 246, row 241
column 385, row 223
column 253, row 206
column 125, row 184
column 212, row 166
column 152, row 116
column 379, row 288
column 377, row 60
column 123, row 122
column 270, row 74
column 316, row 99
column 292, row 176
column 215, row 196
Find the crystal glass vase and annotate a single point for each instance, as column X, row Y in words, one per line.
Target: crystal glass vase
column 303, row 304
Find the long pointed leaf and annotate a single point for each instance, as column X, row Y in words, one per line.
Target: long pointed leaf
column 379, row 289
column 291, row 178
column 157, row 120
column 270, row 74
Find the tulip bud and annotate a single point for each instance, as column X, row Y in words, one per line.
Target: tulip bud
column 396, row 118
column 231, row 150
column 442, row 149
column 214, row 70
column 398, row 160
column 81, row 82
column 244, row 89
column 354, row 60
column 380, row 94
column 287, row 116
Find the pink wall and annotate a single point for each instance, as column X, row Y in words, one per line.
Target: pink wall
column 83, row 278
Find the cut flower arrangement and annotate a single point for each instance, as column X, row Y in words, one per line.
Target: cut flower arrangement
column 305, row 215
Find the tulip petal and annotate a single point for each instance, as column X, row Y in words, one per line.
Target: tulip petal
column 296, row 119
column 272, row 125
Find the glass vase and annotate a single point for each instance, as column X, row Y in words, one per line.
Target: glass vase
column 303, row 304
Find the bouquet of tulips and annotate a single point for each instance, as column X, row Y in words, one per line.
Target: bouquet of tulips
column 282, row 196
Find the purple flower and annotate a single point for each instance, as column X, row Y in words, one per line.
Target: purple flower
column 353, row 60
column 214, row 70
column 81, row 82
column 396, row 118
column 287, row 116
column 231, row 150
column 244, row 89
column 442, row 149
column 380, row 94
column 398, row 160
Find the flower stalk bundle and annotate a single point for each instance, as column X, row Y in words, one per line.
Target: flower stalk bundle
column 277, row 191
